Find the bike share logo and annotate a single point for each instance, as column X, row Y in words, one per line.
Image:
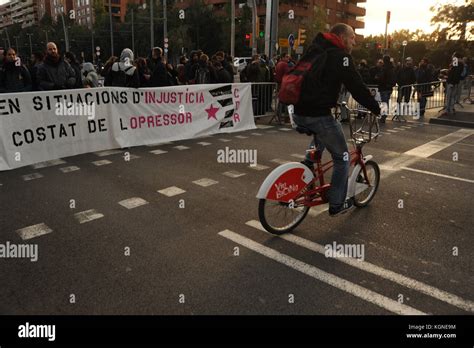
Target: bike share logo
column 283, row 189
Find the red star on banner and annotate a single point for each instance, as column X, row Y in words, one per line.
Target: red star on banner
column 211, row 112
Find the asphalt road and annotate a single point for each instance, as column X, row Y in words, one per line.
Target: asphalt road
column 177, row 254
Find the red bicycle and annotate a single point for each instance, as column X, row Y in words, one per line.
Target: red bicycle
column 291, row 189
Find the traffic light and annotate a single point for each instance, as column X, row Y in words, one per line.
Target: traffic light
column 301, row 37
column 260, row 28
column 248, row 40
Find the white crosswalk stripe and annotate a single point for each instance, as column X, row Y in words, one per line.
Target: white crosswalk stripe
column 426, row 289
column 325, row 277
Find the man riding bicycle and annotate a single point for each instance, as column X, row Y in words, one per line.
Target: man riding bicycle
column 332, row 67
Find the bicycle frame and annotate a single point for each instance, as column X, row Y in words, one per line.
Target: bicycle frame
column 318, row 195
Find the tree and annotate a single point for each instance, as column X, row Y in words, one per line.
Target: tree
column 455, row 18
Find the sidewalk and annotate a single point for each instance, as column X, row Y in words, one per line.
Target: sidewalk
column 464, row 116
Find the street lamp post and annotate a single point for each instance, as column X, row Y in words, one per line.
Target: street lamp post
column 46, row 33
column 31, row 47
column 165, row 31
column 403, row 54
column 66, row 39
column 232, row 28
column 152, row 34
column 17, row 47
column 111, row 29
column 133, row 31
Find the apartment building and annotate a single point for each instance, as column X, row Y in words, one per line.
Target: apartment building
column 19, row 11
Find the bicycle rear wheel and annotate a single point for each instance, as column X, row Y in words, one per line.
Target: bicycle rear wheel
column 365, row 193
column 281, row 217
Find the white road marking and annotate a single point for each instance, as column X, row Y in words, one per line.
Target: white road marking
column 48, row 163
column 285, row 129
column 158, row 152
column 257, row 134
column 87, row 216
column 271, row 131
column 261, row 126
column 440, row 175
column 233, row 174
column 131, row 203
column 69, row 169
column 101, row 162
column 224, row 140
column 171, row 191
column 33, row 176
column 279, row 161
column 181, row 147
column 259, row 167
column 298, row 155
column 377, row 270
column 407, row 127
column 241, row 137
column 318, row 274
column 429, row 149
column 203, row 143
column 205, row 182
column 398, row 128
column 158, row 144
column 107, row 153
column 391, row 131
column 33, row 231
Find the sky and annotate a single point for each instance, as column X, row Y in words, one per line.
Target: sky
column 405, row 14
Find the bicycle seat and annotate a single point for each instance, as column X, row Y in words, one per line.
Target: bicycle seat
column 304, row 130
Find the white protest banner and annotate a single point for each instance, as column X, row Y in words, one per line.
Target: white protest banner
column 42, row 126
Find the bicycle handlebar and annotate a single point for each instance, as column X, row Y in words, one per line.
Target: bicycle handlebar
column 362, row 135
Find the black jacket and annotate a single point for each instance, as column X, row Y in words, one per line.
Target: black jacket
column 406, row 76
column 320, row 89
column 387, row 78
column 55, row 75
column 455, row 74
column 365, row 74
column 14, row 78
column 159, row 76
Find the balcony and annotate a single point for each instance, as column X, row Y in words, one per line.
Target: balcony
column 354, row 10
column 355, row 23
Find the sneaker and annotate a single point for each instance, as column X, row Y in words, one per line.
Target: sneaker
column 344, row 208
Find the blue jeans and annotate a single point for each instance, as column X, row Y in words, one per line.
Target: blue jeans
column 385, row 97
column 329, row 135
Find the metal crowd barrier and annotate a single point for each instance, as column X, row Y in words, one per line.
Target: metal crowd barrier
column 403, row 99
column 264, row 99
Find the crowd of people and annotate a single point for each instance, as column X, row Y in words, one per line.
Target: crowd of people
column 53, row 71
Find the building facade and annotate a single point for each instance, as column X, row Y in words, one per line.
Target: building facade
column 19, row 11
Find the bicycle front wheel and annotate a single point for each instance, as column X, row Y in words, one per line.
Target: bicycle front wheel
column 281, row 217
column 364, row 192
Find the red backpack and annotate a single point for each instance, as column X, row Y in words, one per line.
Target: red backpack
column 291, row 83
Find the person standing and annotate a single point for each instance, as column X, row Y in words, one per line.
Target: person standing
column 364, row 71
column 123, row 73
column 452, row 82
column 55, row 73
column 36, row 61
column 405, row 78
column 91, row 79
column 71, row 59
column 386, row 81
column 14, row 76
column 159, row 75
column 423, row 77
